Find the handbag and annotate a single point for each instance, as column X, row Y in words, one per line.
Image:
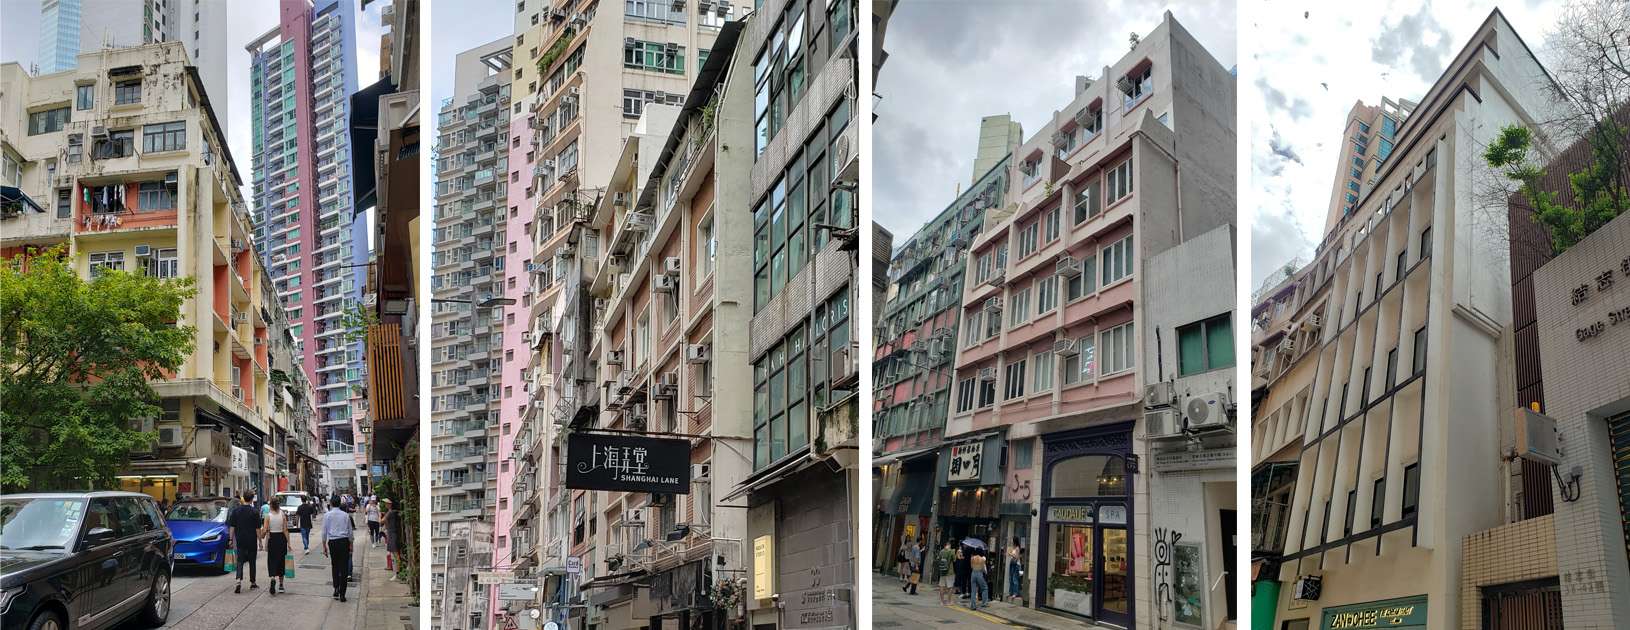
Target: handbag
column 916, row 577
column 231, row 562
column 288, row 564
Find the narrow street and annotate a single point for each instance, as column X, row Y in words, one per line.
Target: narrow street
column 893, row 608
column 202, row 599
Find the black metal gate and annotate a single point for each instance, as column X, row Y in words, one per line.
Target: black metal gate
column 1533, row 605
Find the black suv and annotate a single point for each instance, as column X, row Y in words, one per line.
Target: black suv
column 83, row 560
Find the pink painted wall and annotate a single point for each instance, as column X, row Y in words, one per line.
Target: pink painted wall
column 516, row 399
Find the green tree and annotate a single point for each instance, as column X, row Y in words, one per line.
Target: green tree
column 355, row 321
column 75, row 360
column 1598, row 196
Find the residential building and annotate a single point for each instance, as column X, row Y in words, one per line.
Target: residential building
column 69, row 28
column 1367, row 141
column 916, row 338
column 135, row 174
column 1400, row 430
column 467, row 350
column 1043, row 443
column 802, row 494
column 997, row 137
column 302, row 74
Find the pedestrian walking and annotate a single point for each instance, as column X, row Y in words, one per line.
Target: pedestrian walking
column 944, row 568
column 1015, row 571
column 976, row 577
column 243, row 522
column 337, row 546
column 393, row 537
column 307, row 509
column 917, row 552
column 962, row 583
column 372, row 514
column 275, row 529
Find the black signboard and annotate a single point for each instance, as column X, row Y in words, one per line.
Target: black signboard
column 627, row 463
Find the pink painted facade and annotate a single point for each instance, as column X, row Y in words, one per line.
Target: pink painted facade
column 517, row 319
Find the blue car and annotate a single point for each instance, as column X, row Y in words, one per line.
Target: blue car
column 199, row 529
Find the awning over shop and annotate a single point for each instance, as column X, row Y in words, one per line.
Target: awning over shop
column 903, row 456
column 164, row 465
column 915, row 494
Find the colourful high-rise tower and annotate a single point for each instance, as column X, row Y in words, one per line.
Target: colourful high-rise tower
column 302, row 74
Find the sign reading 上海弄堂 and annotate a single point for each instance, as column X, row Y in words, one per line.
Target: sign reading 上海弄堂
column 627, row 463
column 1408, row 612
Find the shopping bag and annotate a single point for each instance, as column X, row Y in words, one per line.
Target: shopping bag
column 231, row 560
column 288, row 565
column 916, row 577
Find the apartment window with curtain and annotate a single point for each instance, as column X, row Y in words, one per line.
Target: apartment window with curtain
column 85, row 96
column 1117, row 260
column 1078, row 368
column 1205, row 345
column 1089, row 199
column 47, row 121
column 1046, row 294
column 1013, row 387
column 126, row 92
column 1042, row 379
column 1118, row 181
column 1084, row 283
column 170, row 136
column 1120, row 349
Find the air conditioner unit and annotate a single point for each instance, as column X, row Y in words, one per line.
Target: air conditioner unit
column 240, row 317
column 993, row 303
column 557, row 14
column 169, row 437
column 1124, row 84
column 723, row 9
column 664, row 283
column 1308, row 588
column 671, row 265
column 99, row 132
column 678, row 5
column 547, row 164
column 619, row 199
column 616, row 357
column 574, row 91
column 697, row 353
column 663, row 391
column 1536, row 437
column 143, row 251
column 700, row 472
column 1065, row 348
column 987, row 374
column 625, row 381
column 998, row 279
column 579, row 21
column 636, row 412
column 1068, row 266
column 639, row 221
column 1207, row 412
column 1288, row 346
column 1160, row 394
column 1315, row 320
column 601, row 304
column 1162, row 423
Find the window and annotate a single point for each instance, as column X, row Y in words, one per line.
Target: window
column 1019, row 308
column 106, row 261
column 1088, row 200
column 1013, row 387
column 126, row 92
column 1392, row 369
column 1046, row 294
column 48, row 121
column 987, row 391
column 1419, row 362
column 654, row 56
column 84, row 96
column 1352, row 513
column 1139, row 84
column 634, row 101
column 163, row 264
column 1117, row 260
column 1120, row 349
column 709, row 246
column 76, row 148
column 1118, row 181
column 118, row 144
column 1084, row 283
column 1079, row 366
column 1050, row 223
column 1412, row 488
column 780, row 411
column 976, row 327
column 170, row 136
column 1027, row 239
column 156, row 196
column 964, row 395
column 839, row 17
column 661, row 10
column 1205, row 345
column 1403, row 264
column 1426, row 242
column 1378, row 502
column 982, row 268
column 65, row 205
column 1043, row 378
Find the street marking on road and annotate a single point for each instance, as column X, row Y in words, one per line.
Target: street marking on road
column 987, row 617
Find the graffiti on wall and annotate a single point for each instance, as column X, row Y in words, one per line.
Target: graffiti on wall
column 1165, row 547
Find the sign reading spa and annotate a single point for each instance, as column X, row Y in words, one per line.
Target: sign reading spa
column 627, row 463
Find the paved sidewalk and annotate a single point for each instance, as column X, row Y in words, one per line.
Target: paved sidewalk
column 386, row 604
column 926, row 611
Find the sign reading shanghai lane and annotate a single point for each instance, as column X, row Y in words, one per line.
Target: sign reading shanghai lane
column 627, row 463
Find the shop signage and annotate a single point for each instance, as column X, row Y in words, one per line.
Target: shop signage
column 1615, row 315
column 240, row 461
column 626, row 463
column 517, row 591
column 1112, row 514
column 490, row 578
column 964, row 461
column 1204, row 459
column 1409, row 612
column 574, row 564
column 763, row 567
column 1070, row 514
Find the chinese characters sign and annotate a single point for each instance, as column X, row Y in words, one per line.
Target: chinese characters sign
column 964, row 463
column 1602, row 282
column 627, row 463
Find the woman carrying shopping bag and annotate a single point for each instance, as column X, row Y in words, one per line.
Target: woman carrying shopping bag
column 275, row 529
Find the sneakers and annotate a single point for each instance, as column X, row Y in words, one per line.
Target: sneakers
column 238, row 588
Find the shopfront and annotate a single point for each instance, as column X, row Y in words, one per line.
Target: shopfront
column 1085, row 543
column 905, row 510
column 970, row 491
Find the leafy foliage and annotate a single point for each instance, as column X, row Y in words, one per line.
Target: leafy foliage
column 1597, row 195
column 355, row 320
column 75, row 360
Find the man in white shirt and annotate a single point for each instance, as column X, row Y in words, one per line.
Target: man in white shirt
column 337, row 546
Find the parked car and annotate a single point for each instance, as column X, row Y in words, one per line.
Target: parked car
column 199, row 529
column 291, row 506
column 83, row 560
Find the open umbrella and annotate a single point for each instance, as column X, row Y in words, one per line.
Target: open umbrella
column 973, row 542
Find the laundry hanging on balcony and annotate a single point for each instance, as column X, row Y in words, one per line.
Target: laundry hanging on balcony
column 105, row 199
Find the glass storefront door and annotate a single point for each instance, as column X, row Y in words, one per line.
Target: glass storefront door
column 1088, row 564
column 1071, row 578
column 1115, row 594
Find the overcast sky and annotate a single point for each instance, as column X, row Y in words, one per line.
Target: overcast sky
column 19, row 41
column 953, row 62
column 1312, row 61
